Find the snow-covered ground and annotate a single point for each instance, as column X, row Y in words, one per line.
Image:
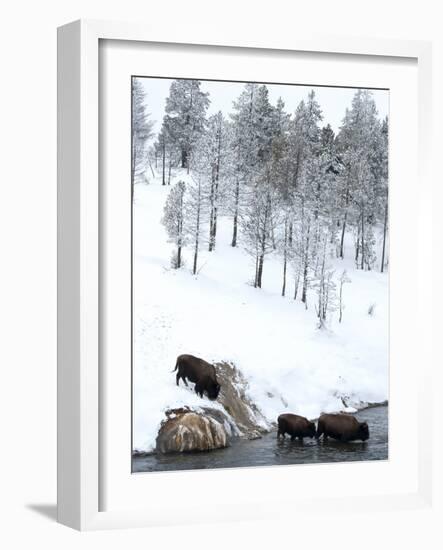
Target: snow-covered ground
column 290, row 364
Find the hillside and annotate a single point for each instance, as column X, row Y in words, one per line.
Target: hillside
column 289, row 363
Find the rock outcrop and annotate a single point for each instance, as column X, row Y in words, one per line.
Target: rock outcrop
column 248, row 419
column 185, row 431
column 212, row 425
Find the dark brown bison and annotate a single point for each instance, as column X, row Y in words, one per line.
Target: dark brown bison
column 295, row 426
column 343, row 427
column 200, row 372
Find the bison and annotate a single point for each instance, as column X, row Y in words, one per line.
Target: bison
column 295, row 426
column 343, row 427
column 200, row 372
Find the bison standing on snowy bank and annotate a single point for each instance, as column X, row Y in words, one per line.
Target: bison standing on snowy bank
column 343, row 427
column 200, row 372
column 295, row 426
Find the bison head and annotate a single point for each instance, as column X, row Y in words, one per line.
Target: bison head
column 213, row 390
column 364, row 431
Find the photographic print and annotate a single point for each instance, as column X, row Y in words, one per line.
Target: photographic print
column 260, row 274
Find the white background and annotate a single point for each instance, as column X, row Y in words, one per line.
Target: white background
column 399, row 474
column 28, row 269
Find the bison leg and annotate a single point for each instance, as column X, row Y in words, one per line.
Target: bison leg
column 279, row 433
column 184, row 380
column 177, row 378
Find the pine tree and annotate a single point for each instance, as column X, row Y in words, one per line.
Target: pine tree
column 244, row 142
column 186, row 108
column 256, row 120
column 196, row 207
column 359, row 141
column 383, row 193
column 174, row 220
column 141, row 131
column 212, row 149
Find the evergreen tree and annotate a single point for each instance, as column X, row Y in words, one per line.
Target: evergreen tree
column 196, row 207
column 212, row 162
column 186, row 108
column 174, row 220
column 141, row 131
column 359, row 140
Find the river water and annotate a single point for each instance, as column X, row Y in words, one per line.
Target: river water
column 268, row 451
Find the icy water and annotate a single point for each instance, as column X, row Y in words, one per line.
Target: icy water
column 268, row 451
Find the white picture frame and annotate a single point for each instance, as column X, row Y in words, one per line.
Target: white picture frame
column 79, row 260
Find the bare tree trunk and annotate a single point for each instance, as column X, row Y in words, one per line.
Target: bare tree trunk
column 296, row 283
column 163, row 162
column 385, row 226
column 285, row 256
column 197, row 233
column 260, row 270
column 345, row 219
column 256, row 271
column 180, row 233
column 342, row 239
column 211, row 216
column 235, row 227
column 305, row 270
column 291, row 231
column 216, row 187
column 169, row 172
column 357, row 244
column 184, row 158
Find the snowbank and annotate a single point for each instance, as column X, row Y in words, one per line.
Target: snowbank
column 290, row 364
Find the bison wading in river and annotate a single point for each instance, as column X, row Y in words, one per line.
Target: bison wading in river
column 342, row 427
column 200, row 372
column 295, row 426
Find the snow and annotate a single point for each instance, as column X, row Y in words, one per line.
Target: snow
column 290, row 365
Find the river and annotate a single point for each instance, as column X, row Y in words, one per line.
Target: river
column 268, row 451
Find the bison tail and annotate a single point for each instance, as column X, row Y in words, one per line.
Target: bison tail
column 176, row 367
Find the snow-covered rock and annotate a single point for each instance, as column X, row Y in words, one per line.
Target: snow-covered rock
column 249, row 420
column 186, row 431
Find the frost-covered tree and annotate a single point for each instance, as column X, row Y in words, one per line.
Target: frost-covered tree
column 166, row 150
column 141, row 131
column 359, row 142
column 211, row 160
column 324, row 285
column 196, row 208
column 244, row 150
column 305, row 146
column 260, row 217
column 257, row 125
column 185, row 117
column 252, row 133
column 293, row 188
column 383, row 187
column 174, row 219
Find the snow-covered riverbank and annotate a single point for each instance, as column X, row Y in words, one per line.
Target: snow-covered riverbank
column 289, row 363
